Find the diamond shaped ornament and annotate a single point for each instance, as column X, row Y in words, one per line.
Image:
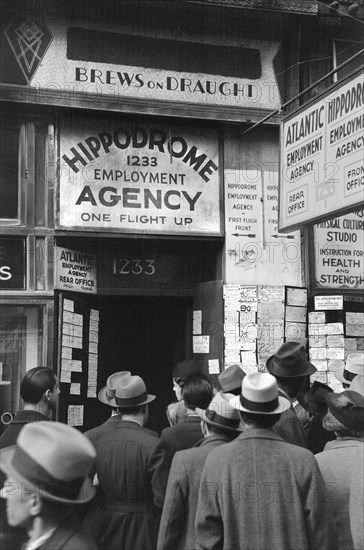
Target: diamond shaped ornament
column 29, row 40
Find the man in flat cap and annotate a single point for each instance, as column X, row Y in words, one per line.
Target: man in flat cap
column 291, row 368
column 47, row 484
column 131, row 467
column 220, row 425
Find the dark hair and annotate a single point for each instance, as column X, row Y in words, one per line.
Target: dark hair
column 197, row 391
column 260, row 420
column 35, row 383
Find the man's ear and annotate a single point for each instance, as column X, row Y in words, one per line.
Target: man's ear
column 36, row 504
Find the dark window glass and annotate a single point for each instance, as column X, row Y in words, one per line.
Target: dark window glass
column 160, row 53
column 344, row 50
column 9, row 169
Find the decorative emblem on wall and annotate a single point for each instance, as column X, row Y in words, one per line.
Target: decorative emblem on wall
column 29, row 41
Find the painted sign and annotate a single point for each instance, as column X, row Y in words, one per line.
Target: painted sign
column 92, row 57
column 140, row 178
column 75, row 271
column 255, row 251
column 322, row 152
column 12, row 263
column 339, row 252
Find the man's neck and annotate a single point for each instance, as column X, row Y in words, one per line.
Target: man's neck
column 40, row 407
column 40, row 527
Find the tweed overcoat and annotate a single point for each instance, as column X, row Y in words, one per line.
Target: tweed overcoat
column 132, row 472
column 260, row 492
column 177, row 528
column 336, row 463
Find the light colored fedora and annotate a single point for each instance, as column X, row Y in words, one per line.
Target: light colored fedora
column 290, row 361
column 354, row 365
column 259, row 395
column 131, row 392
column 107, row 394
column 357, row 384
column 52, row 459
column 231, row 378
column 221, row 413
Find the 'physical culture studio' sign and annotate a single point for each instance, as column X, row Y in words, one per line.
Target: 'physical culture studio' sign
column 322, row 147
column 140, row 178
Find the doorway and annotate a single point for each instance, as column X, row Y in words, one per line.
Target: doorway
column 147, row 336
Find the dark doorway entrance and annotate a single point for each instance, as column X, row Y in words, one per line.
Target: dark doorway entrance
column 147, row 336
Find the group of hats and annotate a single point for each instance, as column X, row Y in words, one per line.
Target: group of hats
column 55, row 459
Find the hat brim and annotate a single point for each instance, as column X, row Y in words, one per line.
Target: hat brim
column 283, row 405
column 87, row 491
column 272, row 369
column 202, row 414
column 149, row 399
column 339, row 375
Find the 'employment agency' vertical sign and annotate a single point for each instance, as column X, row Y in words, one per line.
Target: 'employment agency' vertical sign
column 322, row 157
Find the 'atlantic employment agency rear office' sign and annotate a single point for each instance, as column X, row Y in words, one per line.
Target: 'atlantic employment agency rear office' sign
column 143, row 178
column 322, row 151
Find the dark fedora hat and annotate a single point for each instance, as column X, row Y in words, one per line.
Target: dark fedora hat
column 348, row 408
column 107, row 394
column 313, row 400
column 52, row 459
column 231, row 378
column 290, row 361
column 131, row 392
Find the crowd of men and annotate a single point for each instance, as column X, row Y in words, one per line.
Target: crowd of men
column 267, row 461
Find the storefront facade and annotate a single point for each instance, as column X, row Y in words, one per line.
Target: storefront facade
column 142, row 223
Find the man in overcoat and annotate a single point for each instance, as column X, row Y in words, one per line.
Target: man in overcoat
column 259, row 491
column 291, row 368
column 132, row 470
column 220, row 425
column 47, row 485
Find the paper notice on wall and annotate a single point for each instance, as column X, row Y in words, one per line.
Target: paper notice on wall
column 296, row 332
column 248, row 359
column 231, row 291
column 71, row 341
column 294, row 313
column 73, row 318
column 65, row 376
column 335, row 341
column 270, row 294
column 336, row 353
column 68, row 305
column 320, row 365
column 66, row 353
column 249, row 294
column 328, row 302
column 75, row 388
column 94, row 314
column 93, row 336
column 271, row 312
column 214, row 367
column 232, row 356
column 354, row 330
column 93, row 347
column 296, row 296
column 318, row 354
column 317, row 317
column 75, row 415
column 317, row 342
column 91, row 391
column 350, row 344
column 201, row 344
column 319, row 377
column 71, row 364
column 197, row 321
column 72, row 330
column 354, row 318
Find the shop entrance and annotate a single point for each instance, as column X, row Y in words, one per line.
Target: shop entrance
column 146, row 335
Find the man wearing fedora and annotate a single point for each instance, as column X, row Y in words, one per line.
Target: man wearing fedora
column 354, row 365
column 47, row 484
column 260, row 491
column 131, row 467
column 291, row 368
column 338, row 461
column 220, row 424
column 230, row 379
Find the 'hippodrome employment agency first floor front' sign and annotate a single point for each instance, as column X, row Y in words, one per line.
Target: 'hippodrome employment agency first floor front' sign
column 322, row 157
column 120, row 177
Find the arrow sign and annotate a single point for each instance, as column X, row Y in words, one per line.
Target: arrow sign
column 283, row 236
column 250, row 235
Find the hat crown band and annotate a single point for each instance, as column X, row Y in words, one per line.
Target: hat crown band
column 130, row 401
column 231, row 422
column 256, row 406
column 43, row 480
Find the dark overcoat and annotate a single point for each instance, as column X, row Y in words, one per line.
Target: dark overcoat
column 260, row 492
column 132, row 472
column 177, row 528
column 69, row 536
column 183, row 435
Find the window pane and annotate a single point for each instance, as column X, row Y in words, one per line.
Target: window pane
column 345, row 50
column 21, row 348
column 9, row 183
